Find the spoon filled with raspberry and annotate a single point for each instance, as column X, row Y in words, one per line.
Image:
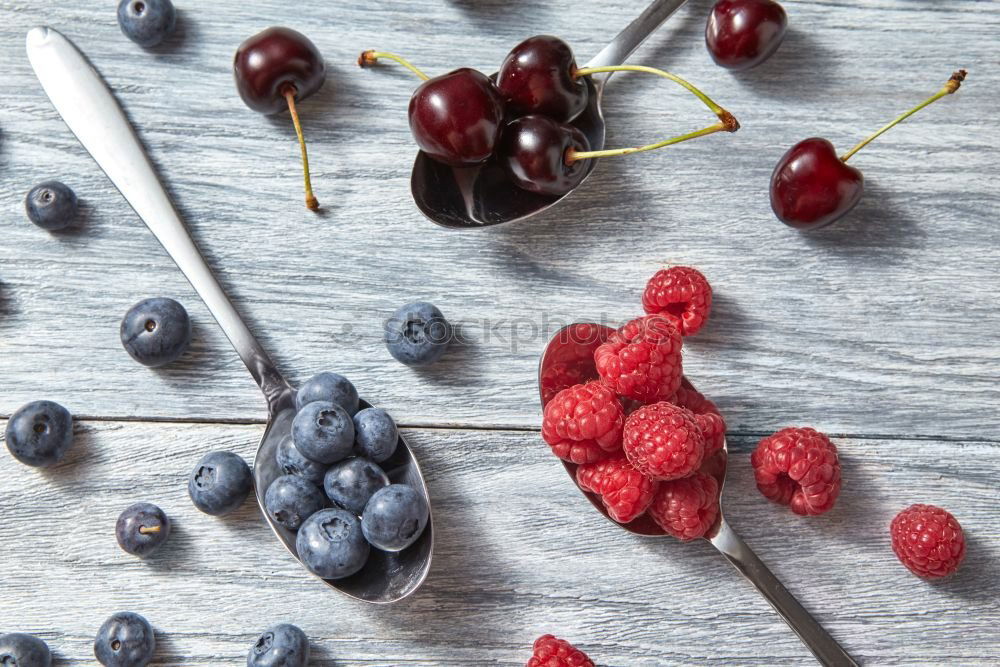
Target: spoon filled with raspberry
column 648, row 450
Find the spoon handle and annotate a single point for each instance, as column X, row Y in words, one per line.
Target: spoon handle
column 84, row 101
column 629, row 39
column 824, row 647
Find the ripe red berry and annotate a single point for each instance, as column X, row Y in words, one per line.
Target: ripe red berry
column 642, row 360
column 551, row 651
column 625, row 492
column 798, row 467
column 583, row 423
column 682, row 295
column 928, row 541
column 663, row 441
column 686, row 508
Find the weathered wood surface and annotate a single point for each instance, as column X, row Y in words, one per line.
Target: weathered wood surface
column 518, row 553
column 884, row 328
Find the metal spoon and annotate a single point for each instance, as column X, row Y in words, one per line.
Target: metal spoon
column 475, row 197
column 84, row 101
column 569, row 359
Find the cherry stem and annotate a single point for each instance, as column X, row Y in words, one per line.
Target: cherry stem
column 727, row 122
column 145, row 530
column 950, row 87
column 311, row 202
column 370, row 57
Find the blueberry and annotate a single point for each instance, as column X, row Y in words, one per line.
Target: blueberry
column 125, row 640
column 394, row 518
column 146, row 22
column 219, row 483
column 292, row 462
column 331, row 545
column 20, row 650
column 351, row 483
column 51, row 205
column 417, row 334
column 331, row 388
column 375, row 434
column 290, row 500
column 40, row 433
column 323, row 432
column 283, row 645
column 156, row 331
column 141, row 529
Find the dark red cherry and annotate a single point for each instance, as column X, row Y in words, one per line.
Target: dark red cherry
column 534, row 151
column 456, row 117
column 744, row 33
column 538, row 76
column 273, row 61
column 812, row 187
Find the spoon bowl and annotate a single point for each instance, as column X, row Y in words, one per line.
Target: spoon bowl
column 82, row 98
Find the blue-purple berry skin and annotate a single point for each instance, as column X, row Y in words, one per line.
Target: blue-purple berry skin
column 353, row 482
column 394, row 517
column 146, row 22
column 39, row 433
column 292, row 462
column 51, row 205
column 283, row 645
column 220, row 483
column 323, row 432
column 142, row 529
column 125, row 640
column 417, row 334
column 21, row 650
column 329, row 388
column 156, row 332
column 375, row 434
column 290, row 500
column 331, row 544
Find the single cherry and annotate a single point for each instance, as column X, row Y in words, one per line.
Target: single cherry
column 456, row 117
column 741, row 34
column 274, row 69
column 535, row 151
column 538, row 76
column 812, row 187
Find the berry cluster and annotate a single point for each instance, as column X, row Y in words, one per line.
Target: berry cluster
column 643, row 438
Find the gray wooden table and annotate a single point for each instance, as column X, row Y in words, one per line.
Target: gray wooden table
column 883, row 331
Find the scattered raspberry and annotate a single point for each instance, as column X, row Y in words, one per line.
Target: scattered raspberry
column 663, row 441
column 713, row 429
column 554, row 652
column 681, row 294
column 798, row 467
column 625, row 492
column 642, row 360
column 686, row 508
column 583, row 423
column 928, row 541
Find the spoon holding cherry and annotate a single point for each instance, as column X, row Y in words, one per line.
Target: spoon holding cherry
column 568, row 359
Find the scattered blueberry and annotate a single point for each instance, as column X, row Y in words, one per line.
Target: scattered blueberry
column 146, row 22
column 417, row 334
column 331, row 388
column 51, row 205
column 20, row 650
column 375, row 434
column 290, row 500
column 39, row 433
column 141, row 529
column 125, row 640
column 352, row 483
column 219, row 483
column 156, row 331
column 283, row 645
column 394, row 518
column 292, row 462
column 323, row 432
column 331, row 545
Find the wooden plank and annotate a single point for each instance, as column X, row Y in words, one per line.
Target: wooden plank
column 885, row 324
column 518, row 554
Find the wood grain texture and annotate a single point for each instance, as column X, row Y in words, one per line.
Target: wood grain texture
column 518, row 553
column 886, row 324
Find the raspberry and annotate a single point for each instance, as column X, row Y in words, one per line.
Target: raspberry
column 688, row 397
column 583, row 423
column 663, row 441
column 928, row 541
column 559, row 376
column 681, row 294
column 798, row 467
column 625, row 492
column 686, row 508
column 554, row 652
column 642, row 360
column 711, row 421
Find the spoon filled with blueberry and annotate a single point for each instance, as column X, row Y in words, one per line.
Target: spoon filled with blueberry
column 339, row 486
column 500, row 148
